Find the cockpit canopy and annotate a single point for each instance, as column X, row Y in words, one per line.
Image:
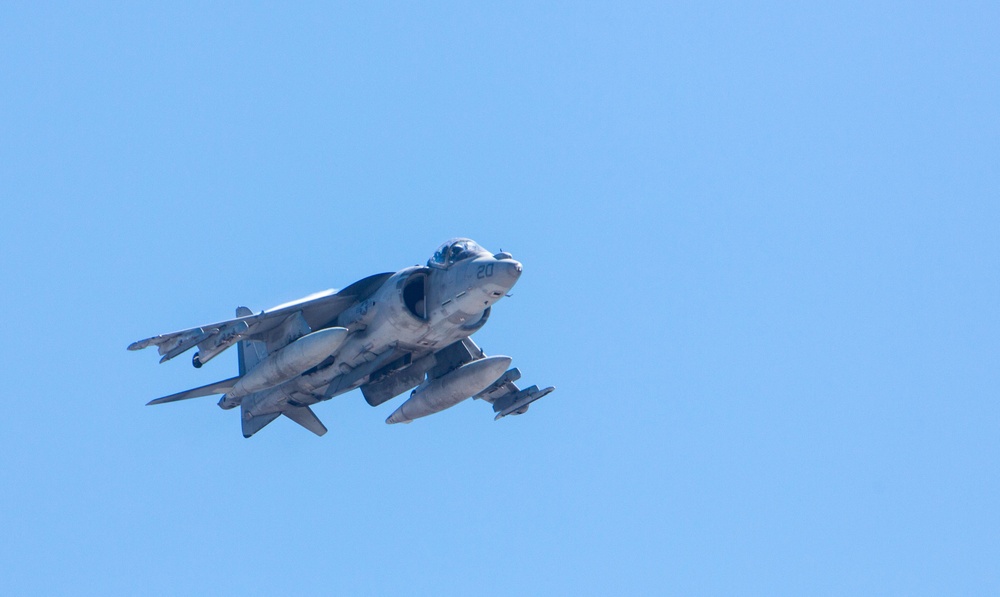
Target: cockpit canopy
column 456, row 249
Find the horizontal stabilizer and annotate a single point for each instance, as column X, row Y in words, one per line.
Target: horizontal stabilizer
column 253, row 424
column 303, row 415
column 219, row 387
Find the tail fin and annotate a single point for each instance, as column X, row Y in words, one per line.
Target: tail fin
column 303, row 415
column 250, row 352
column 254, row 423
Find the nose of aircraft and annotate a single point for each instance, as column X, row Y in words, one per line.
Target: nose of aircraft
column 495, row 277
column 510, row 271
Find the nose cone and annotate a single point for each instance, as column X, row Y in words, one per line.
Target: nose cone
column 494, row 277
column 508, row 272
column 512, row 268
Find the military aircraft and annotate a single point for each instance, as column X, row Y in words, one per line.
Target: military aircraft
column 386, row 334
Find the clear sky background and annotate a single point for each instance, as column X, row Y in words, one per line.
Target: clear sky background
column 761, row 249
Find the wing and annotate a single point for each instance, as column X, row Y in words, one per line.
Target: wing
column 277, row 326
column 505, row 396
column 219, row 387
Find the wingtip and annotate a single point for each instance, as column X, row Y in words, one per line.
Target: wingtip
column 163, row 400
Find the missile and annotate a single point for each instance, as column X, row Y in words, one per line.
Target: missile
column 520, row 401
column 299, row 356
column 450, row 389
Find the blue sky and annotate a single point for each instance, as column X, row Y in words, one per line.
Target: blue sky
column 761, row 266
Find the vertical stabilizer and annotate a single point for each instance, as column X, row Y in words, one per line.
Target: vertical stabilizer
column 249, row 352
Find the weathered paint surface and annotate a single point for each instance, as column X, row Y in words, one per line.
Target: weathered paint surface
column 388, row 332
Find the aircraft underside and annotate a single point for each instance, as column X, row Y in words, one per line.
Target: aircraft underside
column 386, row 334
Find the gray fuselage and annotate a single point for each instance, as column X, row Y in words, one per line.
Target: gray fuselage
column 416, row 312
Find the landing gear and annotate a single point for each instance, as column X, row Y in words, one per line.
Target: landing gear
column 196, row 360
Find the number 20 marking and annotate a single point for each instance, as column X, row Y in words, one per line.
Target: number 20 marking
column 484, row 271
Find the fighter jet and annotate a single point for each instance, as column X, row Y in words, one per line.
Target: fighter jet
column 386, row 334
